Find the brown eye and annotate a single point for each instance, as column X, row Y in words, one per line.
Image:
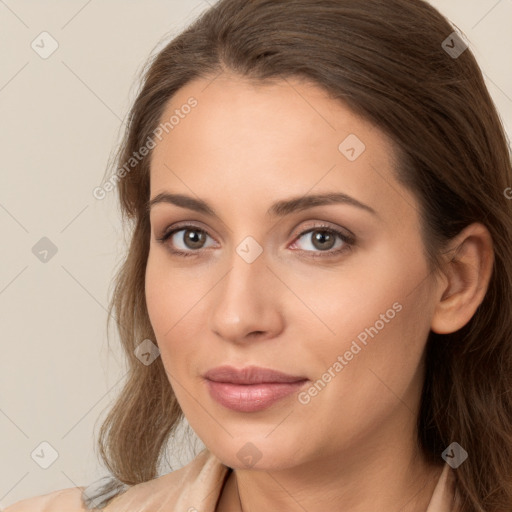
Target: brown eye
column 185, row 240
column 193, row 238
column 323, row 239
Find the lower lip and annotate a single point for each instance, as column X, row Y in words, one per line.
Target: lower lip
column 251, row 397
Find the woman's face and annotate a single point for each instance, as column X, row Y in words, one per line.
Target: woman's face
column 268, row 282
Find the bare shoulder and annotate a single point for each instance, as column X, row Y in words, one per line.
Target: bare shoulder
column 65, row 500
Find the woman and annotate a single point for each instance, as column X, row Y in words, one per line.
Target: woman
column 370, row 374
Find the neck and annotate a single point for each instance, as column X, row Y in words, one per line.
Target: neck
column 328, row 485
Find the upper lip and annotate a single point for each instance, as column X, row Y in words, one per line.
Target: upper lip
column 249, row 375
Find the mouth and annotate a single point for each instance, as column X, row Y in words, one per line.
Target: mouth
column 252, row 388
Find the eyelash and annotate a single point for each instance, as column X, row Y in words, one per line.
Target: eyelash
column 348, row 241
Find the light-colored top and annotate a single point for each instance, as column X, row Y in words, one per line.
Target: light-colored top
column 196, row 487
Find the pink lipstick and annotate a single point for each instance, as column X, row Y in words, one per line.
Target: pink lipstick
column 251, row 388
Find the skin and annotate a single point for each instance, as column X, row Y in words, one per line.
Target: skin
column 352, row 447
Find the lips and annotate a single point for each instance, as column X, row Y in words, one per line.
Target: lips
column 249, row 375
column 250, row 389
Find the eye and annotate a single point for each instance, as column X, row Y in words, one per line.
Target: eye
column 322, row 240
column 192, row 240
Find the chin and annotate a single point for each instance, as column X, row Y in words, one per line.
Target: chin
column 257, row 452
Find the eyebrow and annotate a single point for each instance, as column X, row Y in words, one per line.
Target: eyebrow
column 278, row 209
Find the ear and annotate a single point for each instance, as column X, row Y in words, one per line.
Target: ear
column 468, row 269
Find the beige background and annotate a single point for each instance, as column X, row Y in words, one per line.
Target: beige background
column 60, row 119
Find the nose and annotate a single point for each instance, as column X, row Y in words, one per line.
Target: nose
column 247, row 303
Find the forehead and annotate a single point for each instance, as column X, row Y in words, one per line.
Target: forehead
column 246, row 141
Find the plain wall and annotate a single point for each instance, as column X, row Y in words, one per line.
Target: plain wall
column 60, row 120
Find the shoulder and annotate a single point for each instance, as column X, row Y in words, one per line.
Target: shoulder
column 69, row 500
column 196, row 485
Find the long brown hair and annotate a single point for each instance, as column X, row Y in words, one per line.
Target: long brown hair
column 389, row 62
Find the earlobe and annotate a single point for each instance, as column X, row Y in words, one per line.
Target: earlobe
column 468, row 270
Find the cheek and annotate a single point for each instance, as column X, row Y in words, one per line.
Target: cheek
column 348, row 307
column 157, row 300
column 172, row 297
column 169, row 294
column 375, row 323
